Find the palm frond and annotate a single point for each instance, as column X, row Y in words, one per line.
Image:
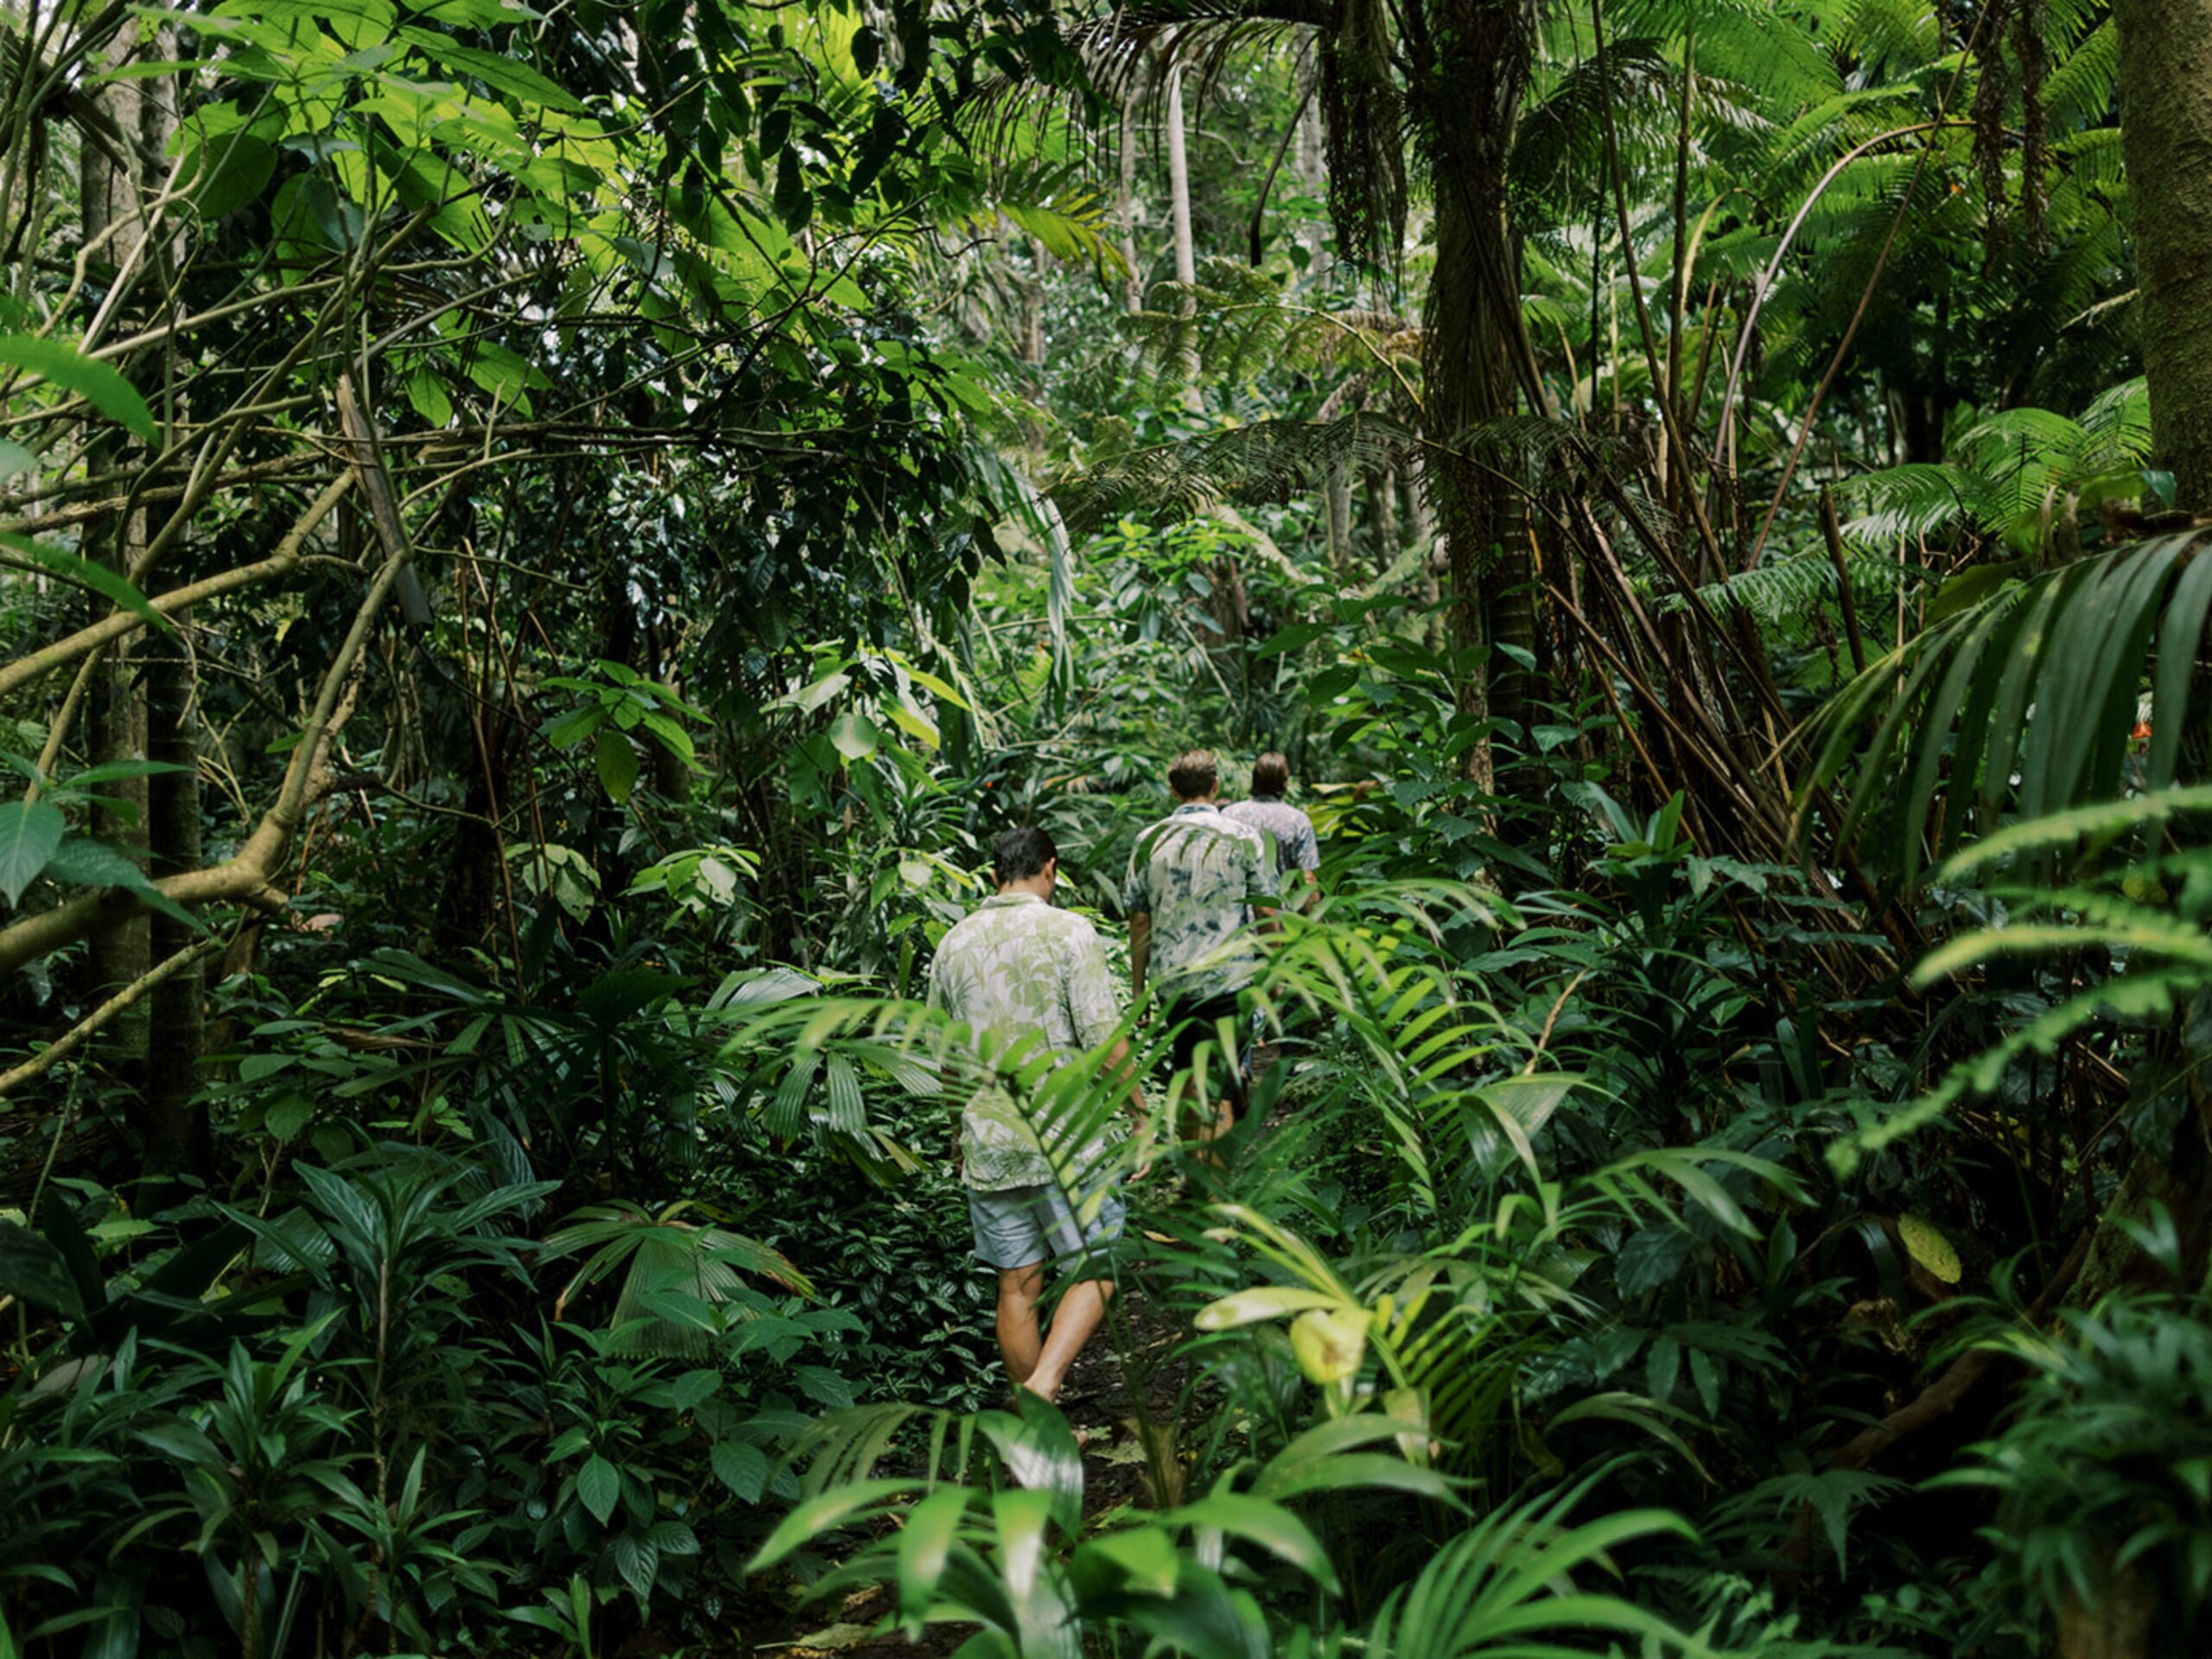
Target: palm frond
column 2028, row 695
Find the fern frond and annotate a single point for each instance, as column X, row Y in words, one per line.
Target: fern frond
column 1268, row 462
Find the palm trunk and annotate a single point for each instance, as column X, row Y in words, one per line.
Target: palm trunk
column 1479, row 67
column 2165, row 102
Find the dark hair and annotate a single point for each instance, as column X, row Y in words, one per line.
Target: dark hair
column 1021, row 853
column 1192, row 775
column 1270, row 774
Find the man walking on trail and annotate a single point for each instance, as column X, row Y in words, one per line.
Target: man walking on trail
column 1032, row 982
column 1191, row 881
column 1290, row 830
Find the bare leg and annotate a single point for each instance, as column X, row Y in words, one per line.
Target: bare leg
column 1018, row 1342
column 1073, row 1321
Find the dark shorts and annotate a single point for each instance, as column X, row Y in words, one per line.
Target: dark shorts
column 1200, row 1021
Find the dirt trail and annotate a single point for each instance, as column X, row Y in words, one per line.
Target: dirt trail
column 1097, row 1398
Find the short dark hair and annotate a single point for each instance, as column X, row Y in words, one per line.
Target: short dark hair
column 1270, row 773
column 1192, row 775
column 1021, row 853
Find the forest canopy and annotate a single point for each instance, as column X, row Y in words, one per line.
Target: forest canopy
column 614, row 620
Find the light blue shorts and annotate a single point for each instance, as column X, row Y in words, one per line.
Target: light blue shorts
column 1018, row 1226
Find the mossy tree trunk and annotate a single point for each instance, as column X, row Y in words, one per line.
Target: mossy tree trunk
column 2165, row 110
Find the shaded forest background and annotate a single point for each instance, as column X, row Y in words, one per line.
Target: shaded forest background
column 538, row 546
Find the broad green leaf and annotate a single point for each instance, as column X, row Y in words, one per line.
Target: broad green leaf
column 637, row 1559
column 742, row 1468
column 30, row 831
column 15, row 459
column 1926, row 1244
column 599, row 1488
column 855, row 735
column 427, row 395
column 616, row 757
column 91, row 379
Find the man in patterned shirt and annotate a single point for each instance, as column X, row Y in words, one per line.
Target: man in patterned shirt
column 1290, row 830
column 1194, row 878
column 1031, row 983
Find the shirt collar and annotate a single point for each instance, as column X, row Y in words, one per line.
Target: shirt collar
column 1013, row 899
column 1267, row 800
column 1189, row 807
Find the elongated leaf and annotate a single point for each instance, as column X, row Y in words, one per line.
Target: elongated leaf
column 117, row 589
column 837, row 1508
column 2180, row 633
column 1272, row 1527
column 1264, row 1302
column 90, row 379
column 924, row 1543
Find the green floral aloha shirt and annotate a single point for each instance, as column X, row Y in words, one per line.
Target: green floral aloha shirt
column 1195, row 873
column 1019, row 968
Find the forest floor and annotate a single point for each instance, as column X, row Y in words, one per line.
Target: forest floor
column 1137, row 1349
column 1096, row 1399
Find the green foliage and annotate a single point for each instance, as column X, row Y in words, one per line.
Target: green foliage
column 2100, row 1473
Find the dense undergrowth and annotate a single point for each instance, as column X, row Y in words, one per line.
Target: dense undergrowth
column 541, row 548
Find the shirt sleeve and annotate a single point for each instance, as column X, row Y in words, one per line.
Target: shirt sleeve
column 1137, row 892
column 1091, row 1007
column 1305, row 847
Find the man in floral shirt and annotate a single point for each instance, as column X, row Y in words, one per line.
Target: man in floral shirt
column 1031, row 983
column 1298, row 855
column 1196, row 880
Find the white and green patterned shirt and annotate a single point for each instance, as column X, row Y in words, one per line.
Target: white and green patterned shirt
column 1193, row 873
column 1019, row 969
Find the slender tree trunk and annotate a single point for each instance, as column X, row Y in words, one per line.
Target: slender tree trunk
column 1125, row 208
column 1310, row 152
column 109, row 188
column 176, row 1133
column 1336, row 499
column 1478, row 70
column 1179, row 203
column 1382, row 517
column 2165, row 108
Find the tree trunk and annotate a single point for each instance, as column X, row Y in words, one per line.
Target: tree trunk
column 1309, row 152
column 2165, row 107
column 1479, row 68
column 1179, row 202
column 1336, row 496
column 1383, row 518
column 108, row 187
column 176, row 1133
column 1125, row 207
